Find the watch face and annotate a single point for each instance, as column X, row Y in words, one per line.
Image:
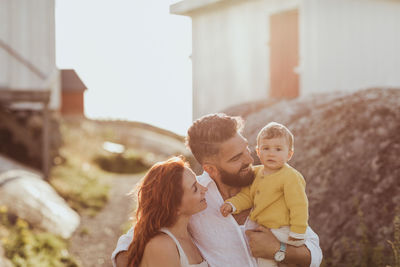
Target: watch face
column 279, row 256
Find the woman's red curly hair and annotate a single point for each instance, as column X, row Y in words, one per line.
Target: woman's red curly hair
column 159, row 198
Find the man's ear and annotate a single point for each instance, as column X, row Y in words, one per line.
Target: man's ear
column 211, row 169
column 290, row 155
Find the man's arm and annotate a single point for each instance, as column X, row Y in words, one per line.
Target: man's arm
column 119, row 257
column 121, row 260
column 263, row 244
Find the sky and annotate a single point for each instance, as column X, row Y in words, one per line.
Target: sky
column 134, row 57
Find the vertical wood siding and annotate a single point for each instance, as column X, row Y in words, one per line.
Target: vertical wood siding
column 28, row 27
column 347, row 45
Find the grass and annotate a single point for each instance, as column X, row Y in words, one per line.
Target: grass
column 25, row 247
column 84, row 168
column 363, row 253
column 81, row 187
column 80, row 181
column 75, row 177
column 395, row 244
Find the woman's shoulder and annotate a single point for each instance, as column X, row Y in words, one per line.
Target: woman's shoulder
column 161, row 249
column 161, row 240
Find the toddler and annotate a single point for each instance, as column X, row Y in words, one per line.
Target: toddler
column 277, row 195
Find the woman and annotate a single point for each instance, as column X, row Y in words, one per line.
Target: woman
column 168, row 196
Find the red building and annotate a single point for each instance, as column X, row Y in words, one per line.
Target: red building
column 73, row 90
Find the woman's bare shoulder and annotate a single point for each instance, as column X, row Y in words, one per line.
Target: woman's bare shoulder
column 161, row 249
column 161, row 241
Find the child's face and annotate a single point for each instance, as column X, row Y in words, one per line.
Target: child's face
column 274, row 153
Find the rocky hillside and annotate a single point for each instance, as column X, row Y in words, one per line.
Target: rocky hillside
column 347, row 147
column 100, row 197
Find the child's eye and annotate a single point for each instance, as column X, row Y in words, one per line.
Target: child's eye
column 265, row 148
column 195, row 188
column 278, row 149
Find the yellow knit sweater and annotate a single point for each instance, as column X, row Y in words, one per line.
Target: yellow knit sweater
column 278, row 199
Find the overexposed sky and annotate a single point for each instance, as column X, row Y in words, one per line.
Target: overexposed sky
column 134, row 57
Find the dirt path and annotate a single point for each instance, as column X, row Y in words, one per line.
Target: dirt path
column 96, row 237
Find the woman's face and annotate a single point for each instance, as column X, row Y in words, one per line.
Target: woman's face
column 193, row 199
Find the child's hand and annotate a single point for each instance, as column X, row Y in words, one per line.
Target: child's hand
column 226, row 209
column 294, row 239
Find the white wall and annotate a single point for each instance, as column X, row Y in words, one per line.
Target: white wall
column 29, row 28
column 230, row 53
column 345, row 45
column 349, row 45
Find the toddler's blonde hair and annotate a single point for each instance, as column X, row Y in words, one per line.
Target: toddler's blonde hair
column 274, row 130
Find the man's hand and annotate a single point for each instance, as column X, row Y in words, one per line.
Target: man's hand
column 263, row 244
column 226, row 209
column 122, row 259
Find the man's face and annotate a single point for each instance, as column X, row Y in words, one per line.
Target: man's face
column 234, row 162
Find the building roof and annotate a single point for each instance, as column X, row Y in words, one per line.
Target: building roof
column 187, row 6
column 70, row 81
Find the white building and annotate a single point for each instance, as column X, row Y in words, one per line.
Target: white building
column 27, row 48
column 245, row 50
column 29, row 78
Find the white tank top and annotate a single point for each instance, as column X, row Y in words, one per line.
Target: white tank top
column 182, row 255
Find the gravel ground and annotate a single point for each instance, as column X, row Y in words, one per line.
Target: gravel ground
column 95, row 239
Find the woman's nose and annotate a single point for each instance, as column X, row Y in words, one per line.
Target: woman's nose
column 203, row 189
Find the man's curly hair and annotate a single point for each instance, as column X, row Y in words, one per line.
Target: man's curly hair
column 208, row 132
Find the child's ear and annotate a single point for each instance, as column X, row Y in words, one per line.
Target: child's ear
column 257, row 151
column 290, row 155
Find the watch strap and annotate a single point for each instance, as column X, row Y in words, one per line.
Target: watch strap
column 283, row 247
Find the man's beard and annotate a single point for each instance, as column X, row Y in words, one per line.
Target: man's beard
column 236, row 179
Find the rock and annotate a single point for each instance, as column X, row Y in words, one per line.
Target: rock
column 375, row 164
column 32, row 199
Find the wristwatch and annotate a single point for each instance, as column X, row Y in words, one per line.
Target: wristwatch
column 280, row 254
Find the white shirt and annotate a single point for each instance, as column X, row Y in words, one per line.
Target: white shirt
column 221, row 240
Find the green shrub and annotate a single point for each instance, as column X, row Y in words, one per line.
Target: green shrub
column 128, row 162
column 24, row 247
